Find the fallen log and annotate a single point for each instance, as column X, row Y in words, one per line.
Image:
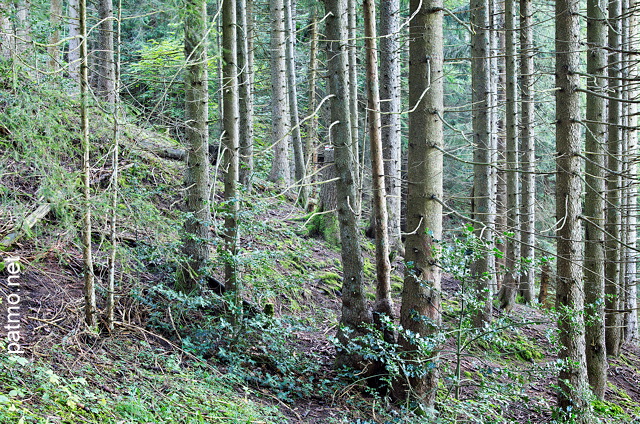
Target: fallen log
column 27, row 224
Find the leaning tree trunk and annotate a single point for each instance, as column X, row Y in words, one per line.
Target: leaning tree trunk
column 245, row 89
column 527, row 151
column 484, row 205
column 572, row 379
column 384, row 303
column 390, row 92
column 279, row 104
column 613, row 246
column 510, row 283
column 420, row 312
column 90, row 310
column 355, row 310
column 594, row 205
column 196, row 226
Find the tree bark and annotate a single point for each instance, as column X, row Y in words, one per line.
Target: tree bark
column 390, row 97
column 353, row 97
column 298, row 152
column 484, row 205
column 231, row 146
column 511, row 280
column 74, row 41
column 595, row 197
column 527, row 150
column 631, row 290
column 384, row 304
column 420, row 311
column 90, row 310
column 279, row 104
column 106, row 64
column 196, row 226
column 613, row 319
column 355, row 310
column 572, row 378
column 55, row 12
column 245, row 89
column 311, row 145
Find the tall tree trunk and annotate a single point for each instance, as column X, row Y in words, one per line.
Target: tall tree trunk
column 196, row 226
column 90, row 310
column 420, row 311
column 106, row 64
column 231, row 146
column 383, row 304
column 572, row 378
column 631, row 289
column 74, row 40
column 527, row 150
column 497, row 124
column 613, row 247
column 390, row 92
column 355, row 310
column 511, row 279
column 484, row 205
column 296, row 138
column 279, row 103
column 55, row 12
column 595, row 197
column 311, row 144
column 353, row 97
column 111, row 301
column 245, row 89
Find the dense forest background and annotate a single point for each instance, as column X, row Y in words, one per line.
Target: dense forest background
column 299, row 211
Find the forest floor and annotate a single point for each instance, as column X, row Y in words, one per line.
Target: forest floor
column 177, row 359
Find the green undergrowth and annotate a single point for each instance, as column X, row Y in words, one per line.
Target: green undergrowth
column 133, row 383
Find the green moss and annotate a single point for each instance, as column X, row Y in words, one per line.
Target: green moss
column 324, row 225
column 606, row 408
column 369, row 269
column 331, row 281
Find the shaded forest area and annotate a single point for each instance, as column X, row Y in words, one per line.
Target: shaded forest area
column 248, row 211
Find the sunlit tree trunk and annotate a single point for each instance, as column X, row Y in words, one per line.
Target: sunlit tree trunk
column 111, row 301
column 197, row 223
column 631, row 293
column 613, row 247
column 231, row 145
column 483, row 174
column 280, row 173
column 595, row 197
column 74, row 41
column 390, row 92
column 572, row 378
column 90, row 310
column 355, row 310
column 245, row 90
column 106, row 64
column 420, row 312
